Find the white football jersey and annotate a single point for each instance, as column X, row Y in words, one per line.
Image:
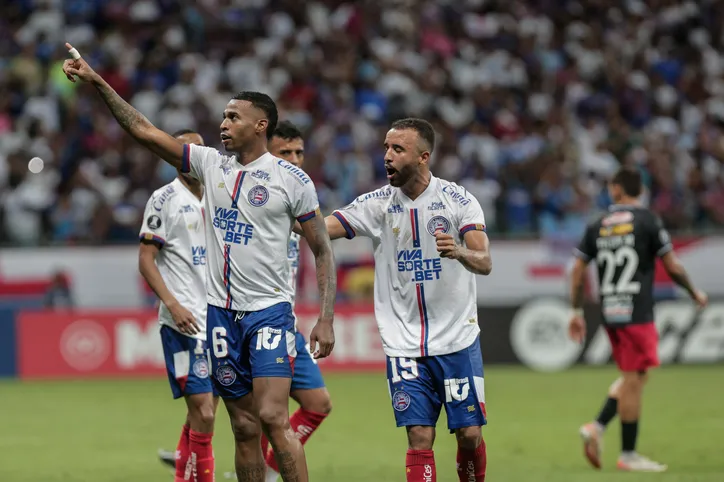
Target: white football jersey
column 174, row 218
column 293, row 259
column 250, row 213
column 425, row 305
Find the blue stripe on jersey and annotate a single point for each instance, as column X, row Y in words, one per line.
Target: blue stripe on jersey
column 415, row 228
column 227, row 275
column 343, row 221
column 426, row 320
column 307, row 217
column 237, row 190
column 185, row 159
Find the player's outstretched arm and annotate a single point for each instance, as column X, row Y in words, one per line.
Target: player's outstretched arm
column 132, row 121
column 577, row 326
column 322, row 336
column 678, row 274
column 183, row 318
column 475, row 255
column 334, row 228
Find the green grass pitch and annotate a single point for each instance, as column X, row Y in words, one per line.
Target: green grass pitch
column 109, row 431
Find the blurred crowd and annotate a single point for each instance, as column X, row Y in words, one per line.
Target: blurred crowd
column 536, row 103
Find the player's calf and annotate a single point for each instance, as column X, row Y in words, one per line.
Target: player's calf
column 201, row 414
column 420, row 459
column 249, row 461
column 472, row 457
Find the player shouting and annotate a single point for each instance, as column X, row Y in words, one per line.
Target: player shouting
column 625, row 243
column 251, row 201
column 307, row 388
column 172, row 259
column 429, row 242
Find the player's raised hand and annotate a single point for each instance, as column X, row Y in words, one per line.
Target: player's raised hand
column 184, row 319
column 77, row 67
column 446, row 245
column 321, row 340
column 577, row 329
column 701, row 299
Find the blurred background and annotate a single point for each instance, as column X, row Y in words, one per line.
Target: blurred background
column 535, row 103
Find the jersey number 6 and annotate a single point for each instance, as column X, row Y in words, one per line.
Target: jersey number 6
column 221, row 349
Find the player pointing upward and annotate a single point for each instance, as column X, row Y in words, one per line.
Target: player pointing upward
column 252, row 200
column 625, row 243
column 429, row 242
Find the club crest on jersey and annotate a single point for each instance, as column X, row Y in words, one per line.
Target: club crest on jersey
column 400, row 401
column 438, row 224
column 153, row 221
column 258, row 196
column 201, row 368
column 225, row 375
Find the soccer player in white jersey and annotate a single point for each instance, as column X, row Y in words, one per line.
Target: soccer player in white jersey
column 429, row 243
column 251, row 200
column 172, row 259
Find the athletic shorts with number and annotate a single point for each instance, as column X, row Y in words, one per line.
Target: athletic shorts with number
column 307, row 375
column 419, row 387
column 250, row 344
column 634, row 347
column 187, row 363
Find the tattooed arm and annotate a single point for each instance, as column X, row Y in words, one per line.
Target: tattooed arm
column 315, row 232
column 130, row 119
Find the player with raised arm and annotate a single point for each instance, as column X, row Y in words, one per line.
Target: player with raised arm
column 251, row 200
column 172, row 259
column 429, row 243
column 625, row 243
column 307, row 388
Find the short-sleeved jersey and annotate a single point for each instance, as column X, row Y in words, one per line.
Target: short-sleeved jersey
column 625, row 243
column 174, row 219
column 250, row 211
column 425, row 305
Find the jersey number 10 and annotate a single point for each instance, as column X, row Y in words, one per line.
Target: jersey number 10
column 609, row 261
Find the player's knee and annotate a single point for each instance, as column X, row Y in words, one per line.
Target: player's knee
column 207, row 414
column 274, row 416
column 469, row 438
column 321, row 404
column 245, row 428
column 420, row 438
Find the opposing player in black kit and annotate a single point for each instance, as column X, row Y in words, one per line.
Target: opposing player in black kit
column 625, row 243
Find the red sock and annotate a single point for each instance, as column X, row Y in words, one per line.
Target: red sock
column 201, row 457
column 264, row 445
column 182, row 454
column 420, row 465
column 472, row 464
column 304, row 423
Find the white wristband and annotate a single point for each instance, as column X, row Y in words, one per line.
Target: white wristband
column 577, row 312
column 74, row 53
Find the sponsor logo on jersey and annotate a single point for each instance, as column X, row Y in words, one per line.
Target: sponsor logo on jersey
column 263, row 175
column 225, row 168
column 159, row 201
column 618, row 217
column 436, row 206
column 258, row 196
column 225, row 375
column 300, row 175
column 201, row 368
column 380, row 193
column 198, row 255
column 235, row 231
column 395, row 209
column 411, row 261
column 438, row 224
column 456, row 389
column 400, row 401
column 616, row 230
column 153, row 222
column 456, row 196
column 186, row 209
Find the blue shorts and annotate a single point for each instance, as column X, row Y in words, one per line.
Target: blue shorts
column 250, row 344
column 187, row 363
column 307, row 375
column 420, row 386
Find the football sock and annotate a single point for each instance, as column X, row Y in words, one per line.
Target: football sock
column 201, row 456
column 472, row 464
column 420, row 465
column 264, row 445
column 182, row 454
column 304, row 423
column 608, row 411
column 629, row 433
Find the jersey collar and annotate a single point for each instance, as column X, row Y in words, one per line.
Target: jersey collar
column 256, row 162
column 431, row 188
